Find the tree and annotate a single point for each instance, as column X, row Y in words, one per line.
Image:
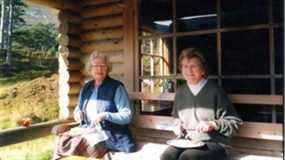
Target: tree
column 11, row 17
column 40, row 38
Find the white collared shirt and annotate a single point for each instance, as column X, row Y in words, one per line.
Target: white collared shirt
column 196, row 88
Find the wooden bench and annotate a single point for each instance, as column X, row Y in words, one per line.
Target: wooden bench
column 254, row 141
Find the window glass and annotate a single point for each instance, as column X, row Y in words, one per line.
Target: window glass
column 279, row 54
column 278, row 10
column 207, row 45
column 245, row 52
column 155, row 17
column 261, row 113
column 156, row 55
column 246, row 86
column 195, row 15
column 244, row 12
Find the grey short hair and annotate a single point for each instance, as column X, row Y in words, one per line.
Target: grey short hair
column 97, row 55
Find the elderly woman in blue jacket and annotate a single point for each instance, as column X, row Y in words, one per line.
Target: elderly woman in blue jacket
column 104, row 103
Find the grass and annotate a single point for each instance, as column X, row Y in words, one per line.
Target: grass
column 29, row 91
column 39, row 149
column 37, row 99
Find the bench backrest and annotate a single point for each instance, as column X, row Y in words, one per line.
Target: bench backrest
column 255, row 130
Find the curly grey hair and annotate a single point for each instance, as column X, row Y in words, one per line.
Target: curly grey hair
column 97, row 55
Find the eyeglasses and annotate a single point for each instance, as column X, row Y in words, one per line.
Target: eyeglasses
column 99, row 66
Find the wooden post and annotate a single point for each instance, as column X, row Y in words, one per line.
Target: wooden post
column 129, row 45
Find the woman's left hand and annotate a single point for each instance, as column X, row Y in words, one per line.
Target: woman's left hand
column 100, row 117
column 206, row 126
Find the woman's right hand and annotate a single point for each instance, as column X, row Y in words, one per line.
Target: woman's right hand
column 178, row 130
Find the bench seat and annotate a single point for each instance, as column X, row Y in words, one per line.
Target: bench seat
column 152, row 151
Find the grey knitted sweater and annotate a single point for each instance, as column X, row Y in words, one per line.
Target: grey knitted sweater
column 210, row 104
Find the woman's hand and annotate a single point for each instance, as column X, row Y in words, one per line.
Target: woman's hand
column 206, row 126
column 178, row 130
column 100, row 117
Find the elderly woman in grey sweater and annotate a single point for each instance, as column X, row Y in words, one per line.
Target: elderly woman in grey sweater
column 202, row 112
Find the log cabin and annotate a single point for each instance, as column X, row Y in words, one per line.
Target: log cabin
column 242, row 41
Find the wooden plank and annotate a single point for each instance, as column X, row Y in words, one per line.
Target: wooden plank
column 129, row 44
column 259, row 130
column 60, row 4
column 255, row 130
column 98, row 2
column 238, row 145
column 96, row 11
column 104, row 22
column 109, row 45
column 105, row 34
column 235, row 98
column 257, row 99
column 253, row 146
column 16, row 135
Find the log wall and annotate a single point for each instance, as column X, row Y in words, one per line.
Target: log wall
column 103, row 30
column 70, row 64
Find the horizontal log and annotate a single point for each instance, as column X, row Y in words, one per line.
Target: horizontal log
column 74, row 42
column 117, row 69
column 69, row 76
column 96, row 11
column 74, row 88
column 116, row 58
column 74, row 29
column 73, row 99
column 71, row 52
column 16, row 135
column 109, row 45
column 106, row 34
column 64, row 100
column 60, row 4
column 104, row 22
column 99, row 2
column 74, row 64
column 69, row 16
column 235, row 98
column 74, row 76
column 255, row 130
column 68, row 64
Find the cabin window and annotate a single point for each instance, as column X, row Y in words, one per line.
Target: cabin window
column 242, row 42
